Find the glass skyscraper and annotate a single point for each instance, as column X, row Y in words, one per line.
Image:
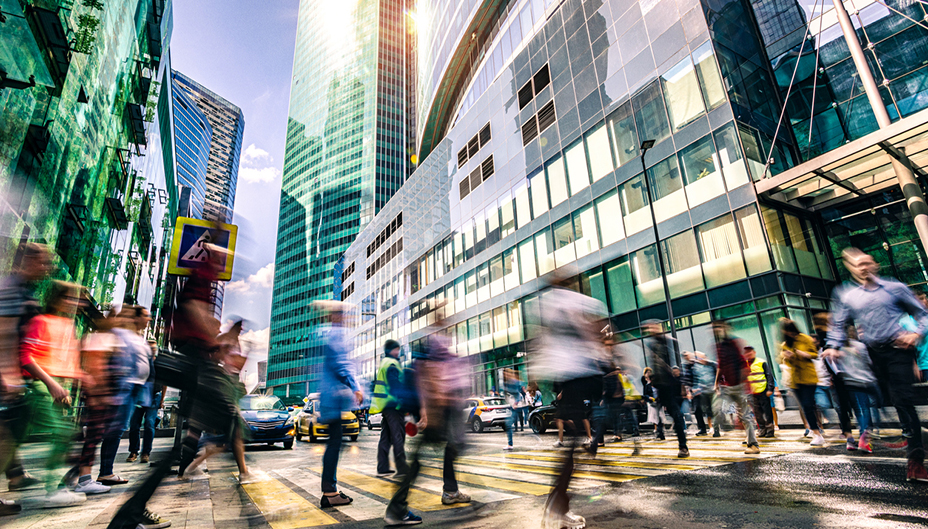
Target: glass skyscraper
column 648, row 146
column 349, row 137
column 192, row 139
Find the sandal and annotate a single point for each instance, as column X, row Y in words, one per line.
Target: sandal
column 112, row 480
column 335, row 501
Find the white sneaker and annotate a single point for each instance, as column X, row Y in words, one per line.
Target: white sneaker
column 563, row 521
column 196, row 473
column 254, row 476
column 91, row 487
column 817, row 440
column 558, row 444
column 63, row 498
column 508, row 447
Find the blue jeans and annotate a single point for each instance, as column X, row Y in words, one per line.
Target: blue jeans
column 110, row 444
column 143, row 419
column 860, row 397
column 330, row 458
column 510, row 426
column 805, row 393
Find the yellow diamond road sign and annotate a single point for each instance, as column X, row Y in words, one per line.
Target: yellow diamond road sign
column 189, row 248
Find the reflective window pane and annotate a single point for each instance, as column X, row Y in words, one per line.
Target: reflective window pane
column 609, row 215
column 709, row 79
column 557, row 181
column 667, row 189
column 726, row 141
column 681, row 260
column 585, row 230
column 624, row 135
column 539, row 194
column 681, row 92
column 646, row 271
column 500, row 327
column 496, row 276
column 720, row 251
column 701, row 172
column 801, row 236
column 523, row 210
column 592, row 283
column 650, row 115
column 544, row 252
column 598, row 151
column 493, row 233
column 576, row 168
column 752, row 238
column 563, row 231
column 468, row 230
column 621, row 288
column 510, row 269
column 776, row 232
column 470, row 288
column 527, row 260
column 458, row 245
column 483, row 283
column 480, row 237
column 635, row 213
column 507, row 216
column 460, row 296
column 515, row 323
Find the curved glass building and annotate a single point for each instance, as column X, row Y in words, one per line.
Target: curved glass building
column 192, row 138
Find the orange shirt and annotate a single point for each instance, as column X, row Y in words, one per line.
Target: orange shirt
column 51, row 343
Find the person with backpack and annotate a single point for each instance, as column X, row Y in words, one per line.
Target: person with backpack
column 760, row 384
column 387, row 400
column 731, row 381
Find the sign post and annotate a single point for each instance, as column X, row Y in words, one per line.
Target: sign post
column 189, row 248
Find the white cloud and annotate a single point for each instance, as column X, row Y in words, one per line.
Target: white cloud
column 253, row 175
column 255, row 343
column 263, row 278
column 257, row 166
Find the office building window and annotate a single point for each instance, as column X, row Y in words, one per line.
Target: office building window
column 539, row 192
column 468, row 230
column 667, row 189
column 779, row 243
column 593, row 284
column 598, row 151
column 515, row 322
column 557, row 181
column 681, row 92
column 721, row 253
column 752, row 238
column 523, row 210
column 458, row 248
column 576, row 168
column 635, row 213
column 587, row 240
column 624, row 135
column 646, row 271
column 621, row 287
column 510, row 264
column 681, row 261
column 726, row 140
column 460, row 296
column 480, row 237
column 507, row 216
column 496, row 276
column 500, row 327
column 804, row 245
column 650, row 115
column 527, row 260
column 483, row 283
column 701, row 172
column 486, row 332
column 563, row 234
column 493, row 232
column 470, row 288
column 609, row 215
column 709, row 79
column 544, row 252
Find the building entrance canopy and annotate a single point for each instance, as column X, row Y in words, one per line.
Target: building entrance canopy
column 853, row 170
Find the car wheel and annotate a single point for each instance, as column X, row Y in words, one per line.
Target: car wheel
column 312, row 438
column 297, row 434
column 354, row 438
column 538, row 425
column 370, row 426
column 476, row 426
column 288, row 444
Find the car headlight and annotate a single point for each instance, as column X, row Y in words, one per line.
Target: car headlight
column 289, row 421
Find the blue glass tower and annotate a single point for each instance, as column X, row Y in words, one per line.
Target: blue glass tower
column 193, row 135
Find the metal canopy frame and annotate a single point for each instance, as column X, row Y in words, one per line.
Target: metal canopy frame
column 853, row 170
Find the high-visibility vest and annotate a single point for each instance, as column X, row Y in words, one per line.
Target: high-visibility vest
column 382, row 397
column 630, row 392
column 757, row 378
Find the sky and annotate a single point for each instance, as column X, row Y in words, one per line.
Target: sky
column 243, row 51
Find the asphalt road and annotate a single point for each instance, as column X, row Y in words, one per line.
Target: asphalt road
column 788, row 485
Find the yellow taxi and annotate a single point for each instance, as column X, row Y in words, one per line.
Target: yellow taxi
column 308, row 425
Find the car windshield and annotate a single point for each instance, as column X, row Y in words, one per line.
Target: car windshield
column 494, row 402
column 258, row 402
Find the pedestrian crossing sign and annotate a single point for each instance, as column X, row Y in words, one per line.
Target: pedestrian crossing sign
column 190, row 250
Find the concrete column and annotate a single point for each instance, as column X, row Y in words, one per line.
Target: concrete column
column 906, row 178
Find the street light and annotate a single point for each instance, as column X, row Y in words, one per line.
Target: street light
column 645, row 147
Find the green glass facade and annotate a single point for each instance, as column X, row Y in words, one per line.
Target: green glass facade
column 348, row 138
column 85, row 152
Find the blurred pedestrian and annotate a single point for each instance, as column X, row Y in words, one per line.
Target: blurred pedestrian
column 731, row 382
column 853, row 362
column 797, row 351
column 760, row 383
column 877, row 306
column 50, row 360
column 655, row 414
column 339, row 392
column 442, row 381
column 610, row 406
column 18, row 305
column 387, row 400
column 143, row 420
column 569, row 355
column 661, row 351
column 521, row 408
column 511, row 391
column 703, row 383
column 841, row 397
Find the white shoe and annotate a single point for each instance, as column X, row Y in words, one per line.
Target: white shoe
column 568, row 520
column 508, row 447
column 196, row 473
column 817, row 440
column 254, row 476
column 63, row 498
column 558, row 444
column 91, row 487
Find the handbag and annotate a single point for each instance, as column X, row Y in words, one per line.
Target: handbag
column 176, row 370
column 779, row 403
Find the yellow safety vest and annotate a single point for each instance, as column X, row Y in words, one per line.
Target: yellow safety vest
column 630, row 392
column 757, row 379
column 382, row 398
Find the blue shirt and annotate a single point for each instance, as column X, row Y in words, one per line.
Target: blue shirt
column 877, row 312
column 338, row 382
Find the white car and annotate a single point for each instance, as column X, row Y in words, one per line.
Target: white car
column 374, row 420
column 485, row 412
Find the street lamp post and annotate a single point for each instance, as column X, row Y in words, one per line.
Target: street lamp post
column 645, row 146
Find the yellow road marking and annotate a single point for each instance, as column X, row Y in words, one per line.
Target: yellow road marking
column 487, row 481
column 283, row 508
column 424, row 501
column 551, row 471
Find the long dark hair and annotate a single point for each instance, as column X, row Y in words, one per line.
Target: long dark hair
column 789, row 331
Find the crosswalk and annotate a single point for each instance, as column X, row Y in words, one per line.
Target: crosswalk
column 491, row 476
